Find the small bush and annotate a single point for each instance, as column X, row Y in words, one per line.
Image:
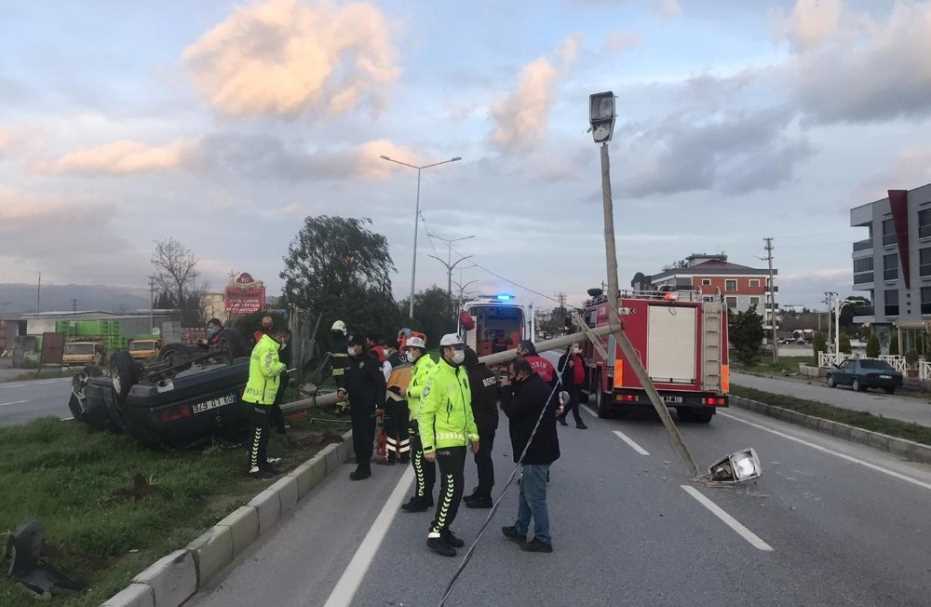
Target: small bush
column 872, row 347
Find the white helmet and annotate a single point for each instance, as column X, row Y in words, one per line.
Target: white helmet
column 415, row 341
column 339, row 326
column 451, row 339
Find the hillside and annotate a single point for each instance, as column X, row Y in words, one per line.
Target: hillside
column 16, row 298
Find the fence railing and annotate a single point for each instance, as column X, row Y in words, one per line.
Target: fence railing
column 830, row 359
column 924, row 369
column 896, row 361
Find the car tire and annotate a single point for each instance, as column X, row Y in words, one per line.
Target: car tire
column 124, row 374
column 176, row 355
column 831, row 382
column 77, row 409
column 856, row 386
column 890, row 390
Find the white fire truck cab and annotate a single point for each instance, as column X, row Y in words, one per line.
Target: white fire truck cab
column 493, row 323
column 681, row 341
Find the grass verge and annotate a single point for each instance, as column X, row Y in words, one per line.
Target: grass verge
column 77, row 483
column 860, row 419
column 784, row 365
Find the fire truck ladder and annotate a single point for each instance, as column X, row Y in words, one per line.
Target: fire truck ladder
column 711, row 354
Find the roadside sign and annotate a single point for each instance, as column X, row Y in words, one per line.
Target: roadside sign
column 244, row 295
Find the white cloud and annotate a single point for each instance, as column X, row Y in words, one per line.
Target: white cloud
column 284, row 57
column 862, row 68
column 521, row 117
column 670, row 8
column 121, row 158
column 811, row 22
column 621, row 41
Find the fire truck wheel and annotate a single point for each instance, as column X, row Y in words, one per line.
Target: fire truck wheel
column 704, row 416
column 601, row 406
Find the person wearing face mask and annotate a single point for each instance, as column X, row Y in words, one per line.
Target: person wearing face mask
column 447, row 427
column 484, row 386
column 415, row 348
column 364, row 386
column 527, row 399
column 574, row 379
column 214, row 326
column 265, row 369
column 540, row 365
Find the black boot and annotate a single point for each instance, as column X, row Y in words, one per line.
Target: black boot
column 562, row 420
column 451, row 539
column 360, row 473
column 479, row 501
column 581, row 426
column 418, row 504
column 439, row 545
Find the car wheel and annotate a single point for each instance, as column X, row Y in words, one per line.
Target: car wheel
column 176, row 355
column 76, row 407
column 856, row 386
column 890, row 390
column 831, row 382
column 123, row 373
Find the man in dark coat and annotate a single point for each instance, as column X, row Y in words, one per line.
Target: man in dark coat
column 484, row 386
column 364, row 384
column 531, row 399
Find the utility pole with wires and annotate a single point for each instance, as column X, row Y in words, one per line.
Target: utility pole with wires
column 772, row 297
column 449, row 263
column 38, row 292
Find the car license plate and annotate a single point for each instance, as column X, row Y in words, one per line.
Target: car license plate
column 672, row 399
column 213, row 403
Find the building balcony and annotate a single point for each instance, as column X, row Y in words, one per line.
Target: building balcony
column 863, row 278
column 863, row 248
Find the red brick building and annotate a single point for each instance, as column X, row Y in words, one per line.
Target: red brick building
column 714, row 276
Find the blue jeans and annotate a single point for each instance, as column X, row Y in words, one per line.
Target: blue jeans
column 532, row 501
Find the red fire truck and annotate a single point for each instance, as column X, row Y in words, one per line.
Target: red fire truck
column 681, row 340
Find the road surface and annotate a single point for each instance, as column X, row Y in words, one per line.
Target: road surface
column 899, row 407
column 829, row 523
column 23, row 401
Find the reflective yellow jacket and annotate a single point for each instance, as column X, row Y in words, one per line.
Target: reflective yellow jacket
column 264, row 373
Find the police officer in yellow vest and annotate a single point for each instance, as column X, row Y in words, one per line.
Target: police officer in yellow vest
column 265, row 369
column 424, row 472
column 447, row 427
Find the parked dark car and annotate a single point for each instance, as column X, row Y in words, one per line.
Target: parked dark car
column 863, row 373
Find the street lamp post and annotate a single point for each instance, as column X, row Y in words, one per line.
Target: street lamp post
column 417, row 217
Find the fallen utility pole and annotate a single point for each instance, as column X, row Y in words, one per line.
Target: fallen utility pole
column 558, row 343
column 614, row 321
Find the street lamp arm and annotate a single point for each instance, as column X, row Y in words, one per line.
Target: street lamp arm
column 436, row 164
column 448, row 267
column 456, row 263
column 383, row 157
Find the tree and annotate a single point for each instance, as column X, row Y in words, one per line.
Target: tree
column 176, row 277
column 894, row 344
column 845, row 343
column 872, row 347
column 746, row 335
column 819, row 344
column 430, row 314
column 338, row 268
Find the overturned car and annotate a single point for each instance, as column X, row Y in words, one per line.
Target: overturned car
column 187, row 393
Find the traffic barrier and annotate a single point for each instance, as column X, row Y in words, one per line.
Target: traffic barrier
column 172, row 580
column 898, row 446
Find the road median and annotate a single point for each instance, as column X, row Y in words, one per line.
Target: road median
column 907, row 440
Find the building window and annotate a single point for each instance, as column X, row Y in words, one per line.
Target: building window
column 891, row 266
column 708, row 298
column 755, row 303
column 924, row 262
column 731, row 302
column 924, row 223
column 864, row 264
column 888, row 232
column 926, row 300
column 730, row 285
column 706, row 282
column 892, row 303
column 754, row 283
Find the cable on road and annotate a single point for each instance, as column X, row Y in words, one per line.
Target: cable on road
column 494, row 507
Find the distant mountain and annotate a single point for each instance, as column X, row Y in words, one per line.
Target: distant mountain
column 15, row 298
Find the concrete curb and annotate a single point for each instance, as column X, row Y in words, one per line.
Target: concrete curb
column 899, row 446
column 173, row 579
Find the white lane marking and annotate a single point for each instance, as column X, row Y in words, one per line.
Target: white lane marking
column 590, row 410
column 348, row 583
column 843, row 456
column 631, row 442
column 15, row 402
column 727, row 519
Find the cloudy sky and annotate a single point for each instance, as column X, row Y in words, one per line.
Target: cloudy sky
column 223, row 124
